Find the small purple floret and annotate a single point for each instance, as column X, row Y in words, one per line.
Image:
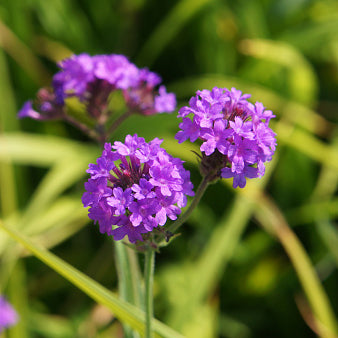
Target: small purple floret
column 234, row 133
column 47, row 107
column 134, row 187
column 8, row 316
column 28, row 111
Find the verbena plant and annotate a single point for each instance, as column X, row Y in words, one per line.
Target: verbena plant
column 138, row 186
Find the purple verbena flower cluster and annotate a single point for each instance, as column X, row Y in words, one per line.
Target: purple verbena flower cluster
column 8, row 316
column 92, row 79
column 235, row 134
column 135, row 186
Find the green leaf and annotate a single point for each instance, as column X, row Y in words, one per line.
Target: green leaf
column 59, row 222
column 18, row 293
column 124, row 311
column 8, row 122
column 42, row 150
column 69, row 160
column 63, row 210
column 63, row 175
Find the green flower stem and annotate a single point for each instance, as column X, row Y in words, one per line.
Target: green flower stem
column 81, row 126
column 199, row 193
column 149, row 266
column 129, row 279
column 117, row 122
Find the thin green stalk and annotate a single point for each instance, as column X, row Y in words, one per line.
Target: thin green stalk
column 118, row 122
column 199, row 193
column 149, row 266
column 81, row 126
column 129, row 279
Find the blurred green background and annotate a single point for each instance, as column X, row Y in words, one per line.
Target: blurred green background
column 228, row 274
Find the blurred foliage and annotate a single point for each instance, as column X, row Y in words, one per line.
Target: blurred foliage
column 226, row 275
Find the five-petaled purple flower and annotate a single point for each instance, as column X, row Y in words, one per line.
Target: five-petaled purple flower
column 92, row 79
column 8, row 316
column 134, row 187
column 235, row 134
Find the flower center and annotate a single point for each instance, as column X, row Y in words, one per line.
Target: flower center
column 235, row 112
column 128, row 173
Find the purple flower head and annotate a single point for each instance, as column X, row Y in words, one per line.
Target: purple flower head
column 8, row 316
column 134, row 187
column 97, row 82
column 93, row 78
column 235, row 134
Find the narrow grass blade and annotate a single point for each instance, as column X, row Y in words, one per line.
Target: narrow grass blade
column 273, row 221
column 124, row 311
